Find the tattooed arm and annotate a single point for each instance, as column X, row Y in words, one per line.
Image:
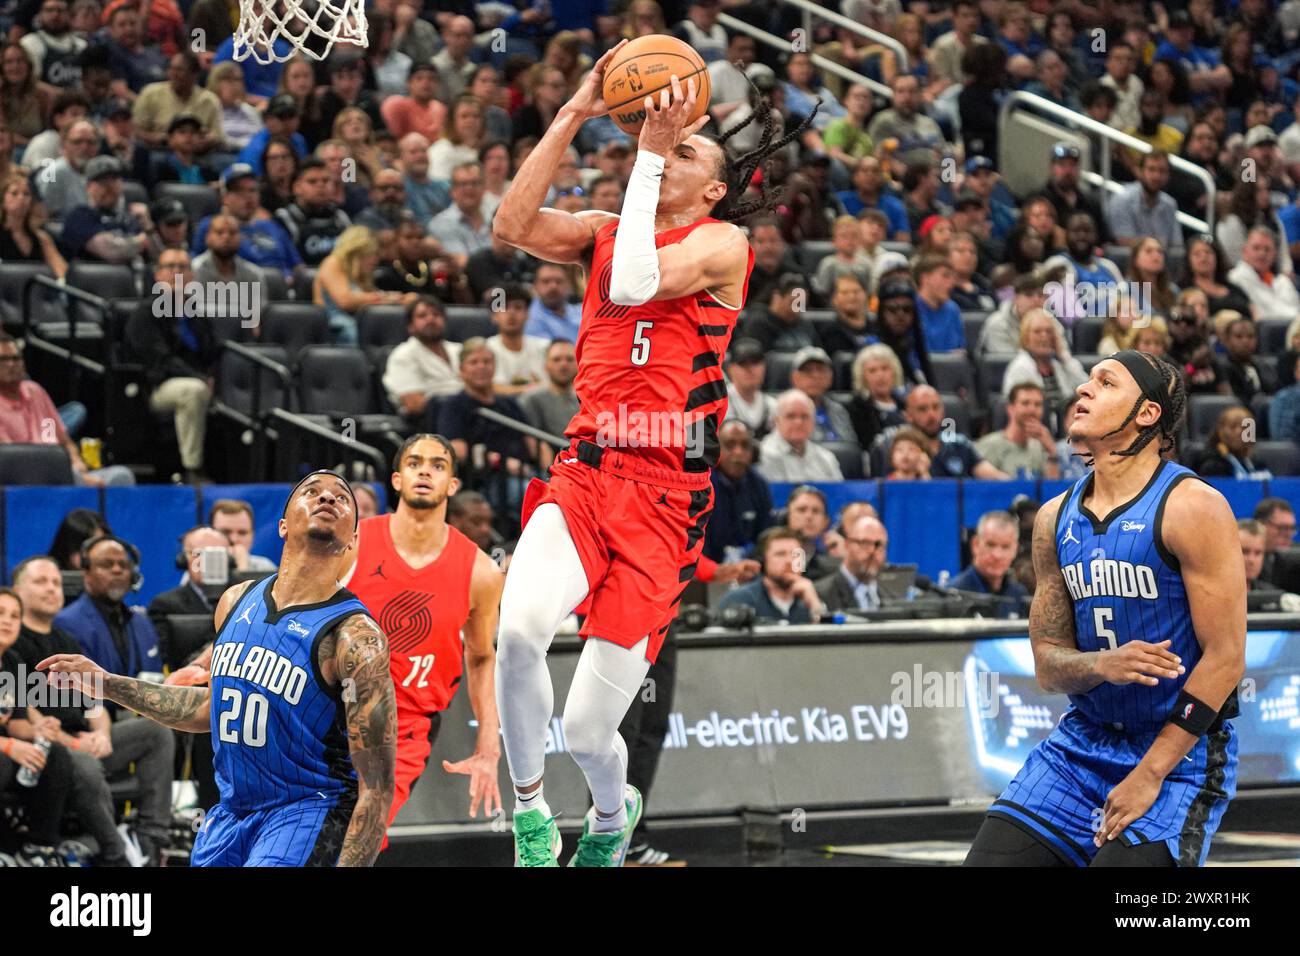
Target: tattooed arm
column 180, row 708
column 1058, row 663
column 355, row 656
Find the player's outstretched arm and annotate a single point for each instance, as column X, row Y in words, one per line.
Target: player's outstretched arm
column 486, row 585
column 552, row 234
column 357, row 658
column 180, row 708
column 1058, row 663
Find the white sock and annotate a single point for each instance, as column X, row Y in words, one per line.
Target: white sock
column 614, row 824
column 531, row 801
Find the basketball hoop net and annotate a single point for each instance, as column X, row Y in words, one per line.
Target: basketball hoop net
column 261, row 23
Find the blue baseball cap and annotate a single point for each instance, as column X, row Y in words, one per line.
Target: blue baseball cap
column 976, row 163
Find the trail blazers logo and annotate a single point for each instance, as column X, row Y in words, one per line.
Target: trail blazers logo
column 407, row 620
column 608, row 310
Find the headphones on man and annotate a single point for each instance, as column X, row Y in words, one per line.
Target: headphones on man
column 183, row 556
column 132, row 553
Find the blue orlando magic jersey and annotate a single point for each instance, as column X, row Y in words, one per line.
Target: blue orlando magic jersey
column 278, row 733
column 1126, row 586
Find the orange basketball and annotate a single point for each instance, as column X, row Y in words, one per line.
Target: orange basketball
column 643, row 68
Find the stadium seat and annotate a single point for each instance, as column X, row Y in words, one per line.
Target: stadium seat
column 134, row 191
column 380, row 325
column 1088, row 360
column 972, row 324
column 235, row 373
column 303, row 278
column 1272, row 336
column 958, row 409
column 333, row 380
column 1119, row 255
column 294, row 325
column 199, row 201
column 1204, row 410
column 467, row 321
column 991, row 371
column 14, row 277
column 953, row 373
column 1279, row 457
column 849, row 455
column 810, row 252
column 104, row 279
column 34, row 465
column 230, row 328
column 1087, row 333
column 779, row 365
column 277, row 286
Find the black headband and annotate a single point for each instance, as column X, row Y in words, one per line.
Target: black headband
column 1149, row 380
column 324, row 471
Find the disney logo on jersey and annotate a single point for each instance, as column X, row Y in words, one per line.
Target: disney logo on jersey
column 1132, row 526
column 296, row 628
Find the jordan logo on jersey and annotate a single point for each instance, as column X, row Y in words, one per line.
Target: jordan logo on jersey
column 407, row 620
column 1069, row 534
column 1106, row 577
column 379, row 572
column 243, row 618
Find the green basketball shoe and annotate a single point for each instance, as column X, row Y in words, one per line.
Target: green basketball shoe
column 537, row 839
column 609, row 849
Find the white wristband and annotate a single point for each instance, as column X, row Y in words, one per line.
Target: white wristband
column 634, row 276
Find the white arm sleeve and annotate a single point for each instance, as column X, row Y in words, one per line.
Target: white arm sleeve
column 634, row 277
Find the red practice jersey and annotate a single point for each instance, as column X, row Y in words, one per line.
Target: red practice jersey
column 421, row 612
column 649, row 377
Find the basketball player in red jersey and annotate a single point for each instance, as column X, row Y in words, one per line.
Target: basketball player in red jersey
column 427, row 584
column 620, row 525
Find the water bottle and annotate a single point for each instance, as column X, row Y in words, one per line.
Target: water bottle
column 28, row 778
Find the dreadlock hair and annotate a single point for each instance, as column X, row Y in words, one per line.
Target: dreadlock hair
column 739, row 172
column 1171, row 415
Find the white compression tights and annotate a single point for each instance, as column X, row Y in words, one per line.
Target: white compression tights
column 546, row 582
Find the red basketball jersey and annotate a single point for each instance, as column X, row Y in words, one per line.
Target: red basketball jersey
column 421, row 612
column 650, row 376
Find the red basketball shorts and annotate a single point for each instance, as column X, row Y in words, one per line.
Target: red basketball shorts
column 639, row 541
